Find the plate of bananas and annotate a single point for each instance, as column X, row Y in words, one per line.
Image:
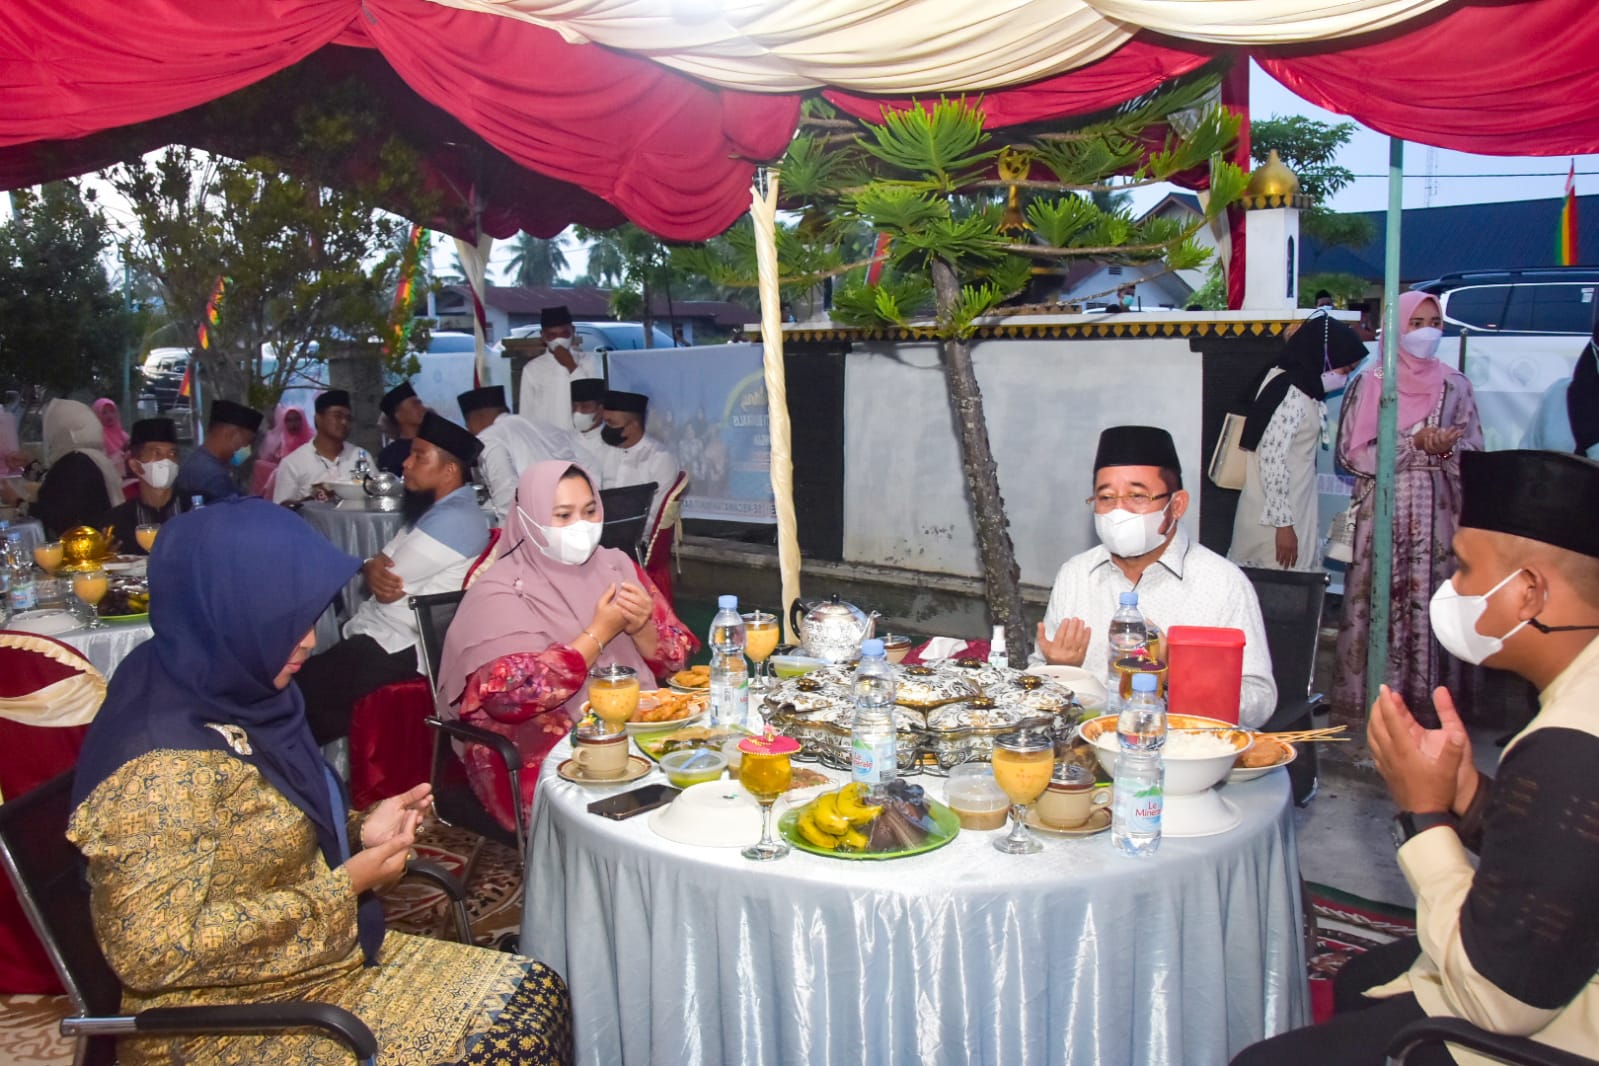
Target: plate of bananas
column 849, row 823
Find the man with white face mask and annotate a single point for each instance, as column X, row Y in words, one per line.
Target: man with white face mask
column 588, row 417
column 1137, row 502
column 546, row 389
column 1508, row 942
column 153, row 459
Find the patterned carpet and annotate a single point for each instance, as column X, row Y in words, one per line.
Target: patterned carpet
column 28, row 1035
column 1346, row 926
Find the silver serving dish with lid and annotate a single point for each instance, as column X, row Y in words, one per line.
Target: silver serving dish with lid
column 831, row 629
column 384, row 490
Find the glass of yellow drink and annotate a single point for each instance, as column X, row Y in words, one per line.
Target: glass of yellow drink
column 761, row 635
column 765, row 772
column 1023, row 763
column 90, row 586
column 49, row 556
column 613, row 694
column 145, row 535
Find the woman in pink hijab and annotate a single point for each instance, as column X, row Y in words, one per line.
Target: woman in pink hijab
column 1437, row 421
column 116, row 438
column 290, row 429
column 552, row 605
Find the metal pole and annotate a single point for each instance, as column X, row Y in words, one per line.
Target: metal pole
column 127, row 349
column 1382, row 541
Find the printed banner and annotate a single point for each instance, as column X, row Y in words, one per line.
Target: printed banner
column 708, row 408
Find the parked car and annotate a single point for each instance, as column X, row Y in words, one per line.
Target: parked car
column 163, row 375
column 607, row 336
column 1550, row 300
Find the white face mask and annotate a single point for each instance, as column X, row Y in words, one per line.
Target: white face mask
column 1128, row 534
column 159, row 473
column 1332, row 381
column 1454, row 622
column 584, row 423
column 562, row 343
column 1422, row 343
column 572, row 544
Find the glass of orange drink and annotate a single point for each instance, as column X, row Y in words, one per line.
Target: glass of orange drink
column 761, row 634
column 765, row 771
column 49, row 555
column 613, row 694
column 90, row 586
column 145, row 535
column 1023, row 763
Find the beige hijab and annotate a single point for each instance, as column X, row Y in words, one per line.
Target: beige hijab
column 69, row 426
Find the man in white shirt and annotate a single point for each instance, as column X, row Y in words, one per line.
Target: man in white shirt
column 588, row 419
column 546, row 390
column 633, row 458
column 1138, row 503
column 433, row 554
column 328, row 456
column 511, row 444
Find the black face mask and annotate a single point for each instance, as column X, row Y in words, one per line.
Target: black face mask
column 413, row 505
column 612, row 436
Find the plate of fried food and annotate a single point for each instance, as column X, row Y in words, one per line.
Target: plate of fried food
column 1265, row 755
column 694, row 679
column 662, row 708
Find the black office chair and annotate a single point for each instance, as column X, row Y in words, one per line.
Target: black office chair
column 1516, row 1050
column 1290, row 604
column 453, row 799
column 46, row 870
column 627, row 513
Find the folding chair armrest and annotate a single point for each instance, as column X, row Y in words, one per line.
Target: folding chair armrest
column 1293, row 714
column 471, row 734
column 1512, row 1049
column 451, row 887
column 335, row 1022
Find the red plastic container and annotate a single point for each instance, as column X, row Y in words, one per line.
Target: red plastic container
column 1205, row 671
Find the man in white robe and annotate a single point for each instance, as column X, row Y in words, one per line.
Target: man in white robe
column 511, row 444
column 546, row 389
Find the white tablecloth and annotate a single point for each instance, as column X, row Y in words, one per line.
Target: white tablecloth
column 107, row 647
column 1075, row 955
column 354, row 529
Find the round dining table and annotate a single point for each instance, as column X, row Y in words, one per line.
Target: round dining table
column 355, row 528
column 1077, row 954
column 109, row 644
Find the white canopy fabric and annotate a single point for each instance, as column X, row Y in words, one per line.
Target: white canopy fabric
column 906, row 46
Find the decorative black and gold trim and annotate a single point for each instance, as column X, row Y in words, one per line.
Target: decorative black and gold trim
column 1103, row 327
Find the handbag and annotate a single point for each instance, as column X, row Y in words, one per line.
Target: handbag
column 1229, row 463
column 1341, row 536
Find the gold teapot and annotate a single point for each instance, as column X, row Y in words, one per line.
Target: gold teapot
column 84, row 547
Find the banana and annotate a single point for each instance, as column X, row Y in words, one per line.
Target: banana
column 808, row 829
column 854, row 840
column 826, row 815
column 848, row 803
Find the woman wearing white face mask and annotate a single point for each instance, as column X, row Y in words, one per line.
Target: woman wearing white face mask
column 552, row 606
column 1437, row 421
column 153, row 459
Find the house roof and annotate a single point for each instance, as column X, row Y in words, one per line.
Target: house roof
column 1514, row 235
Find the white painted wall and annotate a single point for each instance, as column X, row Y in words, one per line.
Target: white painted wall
column 1046, row 402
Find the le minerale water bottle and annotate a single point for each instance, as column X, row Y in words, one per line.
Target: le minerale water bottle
column 21, row 592
column 874, row 755
column 1128, row 635
column 1139, row 792
column 730, row 677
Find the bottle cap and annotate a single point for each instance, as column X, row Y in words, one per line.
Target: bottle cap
column 999, row 637
column 1129, row 599
column 872, row 649
column 1143, row 682
column 727, row 603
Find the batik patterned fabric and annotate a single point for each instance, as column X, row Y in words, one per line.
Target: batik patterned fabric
column 208, row 887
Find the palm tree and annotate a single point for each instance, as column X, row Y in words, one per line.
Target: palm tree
column 538, row 261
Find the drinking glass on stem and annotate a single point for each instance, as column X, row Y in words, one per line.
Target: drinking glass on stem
column 1023, row 763
column 613, row 695
column 90, row 586
column 765, row 772
column 761, row 634
column 49, row 556
column 145, row 535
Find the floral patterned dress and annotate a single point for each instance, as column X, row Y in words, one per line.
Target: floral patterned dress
column 207, row 886
column 525, row 696
column 1426, row 514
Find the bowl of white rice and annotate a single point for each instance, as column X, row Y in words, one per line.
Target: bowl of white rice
column 1198, row 754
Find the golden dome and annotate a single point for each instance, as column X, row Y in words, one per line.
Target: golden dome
column 1272, row 178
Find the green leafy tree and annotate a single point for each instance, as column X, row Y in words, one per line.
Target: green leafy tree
column 972, row 215
column 1310, row 149
column 310, row 263
column 641, row 265
column 537, row 261
column 62, row 327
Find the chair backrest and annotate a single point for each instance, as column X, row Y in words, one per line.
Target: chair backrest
column 47, row 872
column 671, row 508
column 1290, row 605
column 434, row 614
column 627, row 512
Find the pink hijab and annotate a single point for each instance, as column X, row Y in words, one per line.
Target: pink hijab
column 527, row 601
column 1421, row 382
column 280, row 440
column 116, row 438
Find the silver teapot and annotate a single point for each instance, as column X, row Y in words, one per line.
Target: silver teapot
column 831, row 629
column 385, row 489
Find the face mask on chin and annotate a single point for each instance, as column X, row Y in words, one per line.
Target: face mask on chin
column 570, row 544
column 613, row 436
column 1128, row 534
column 1422, row 343
column 158, row 473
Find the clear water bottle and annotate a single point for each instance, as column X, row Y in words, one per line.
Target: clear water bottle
column 874, row 754
column 1128, row 635
column 22, row 593
column 1139, row 792
column 730, row 676
column 997, row 653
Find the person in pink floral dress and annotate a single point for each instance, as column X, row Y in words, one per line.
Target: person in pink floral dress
column 553, row 605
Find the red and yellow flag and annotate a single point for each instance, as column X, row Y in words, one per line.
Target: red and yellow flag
column 1568, row 220
column 213, row 312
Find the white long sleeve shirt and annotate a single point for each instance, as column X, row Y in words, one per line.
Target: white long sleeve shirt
column 305, row 466
column 545, row 394
column 511, row 444
column 645, row 461
column 1189, row 585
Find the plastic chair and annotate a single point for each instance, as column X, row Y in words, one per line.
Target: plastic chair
column 627, row 513
column 1516, row 1050
column 1291, row 605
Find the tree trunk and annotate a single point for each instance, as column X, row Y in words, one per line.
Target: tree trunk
column 1001, row 575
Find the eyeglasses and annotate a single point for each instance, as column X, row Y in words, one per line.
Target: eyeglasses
column 1135, row 501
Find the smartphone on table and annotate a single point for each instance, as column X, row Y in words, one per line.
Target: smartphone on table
column 627, row 804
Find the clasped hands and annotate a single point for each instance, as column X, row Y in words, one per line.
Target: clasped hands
column 1427, row 770
column 387, row 836
column 1435, row 440
column 622, row 607
column 386, row 585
